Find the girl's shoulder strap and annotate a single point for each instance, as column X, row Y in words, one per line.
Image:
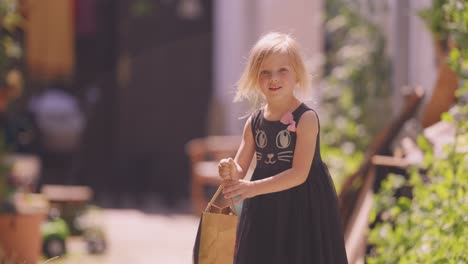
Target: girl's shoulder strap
column 301, row 110
column 255, row 119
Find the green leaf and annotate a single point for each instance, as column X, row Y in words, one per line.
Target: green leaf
column 423, row 143
column 447, row 117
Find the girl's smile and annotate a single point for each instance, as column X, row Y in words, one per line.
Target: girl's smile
column 274, row 88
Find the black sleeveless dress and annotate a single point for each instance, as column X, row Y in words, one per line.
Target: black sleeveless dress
column 298, row 225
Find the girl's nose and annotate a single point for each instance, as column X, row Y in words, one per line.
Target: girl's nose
column 274, row 77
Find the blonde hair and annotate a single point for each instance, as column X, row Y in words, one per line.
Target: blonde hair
column 270, row 44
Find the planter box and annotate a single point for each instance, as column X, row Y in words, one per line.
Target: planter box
column 20, row 237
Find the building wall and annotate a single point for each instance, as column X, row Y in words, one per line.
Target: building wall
column 422, row 64
column 411, row 49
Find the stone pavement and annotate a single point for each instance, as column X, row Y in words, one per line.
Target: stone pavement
column 139, row 238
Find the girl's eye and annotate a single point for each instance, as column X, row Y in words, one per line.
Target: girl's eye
column 264, row 72
column 283, row 70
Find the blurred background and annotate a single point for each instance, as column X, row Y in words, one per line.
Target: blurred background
column 119, row 110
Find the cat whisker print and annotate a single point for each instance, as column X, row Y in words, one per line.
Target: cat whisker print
column 259, row 155
column 286, row 156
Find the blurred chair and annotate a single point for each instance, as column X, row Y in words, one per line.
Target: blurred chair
column 205, row 154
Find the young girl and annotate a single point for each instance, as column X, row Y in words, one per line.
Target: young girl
column 290, row 212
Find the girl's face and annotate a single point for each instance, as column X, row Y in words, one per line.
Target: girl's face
column 277, row 77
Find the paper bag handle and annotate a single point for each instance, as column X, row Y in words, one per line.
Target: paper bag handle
column 215, row 196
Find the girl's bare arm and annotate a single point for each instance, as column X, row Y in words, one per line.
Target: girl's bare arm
column 241, row 162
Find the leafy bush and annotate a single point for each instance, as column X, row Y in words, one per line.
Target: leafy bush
column 10, row 86
column 430, row 224
column 356, row 87
column 429, row 227
column 10, row 48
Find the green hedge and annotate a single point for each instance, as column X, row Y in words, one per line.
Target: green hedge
column 431, row 224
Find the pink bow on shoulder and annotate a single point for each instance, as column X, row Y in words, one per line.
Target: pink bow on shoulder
column 288, row 118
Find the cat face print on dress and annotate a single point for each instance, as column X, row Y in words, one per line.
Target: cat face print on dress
column 272, row 150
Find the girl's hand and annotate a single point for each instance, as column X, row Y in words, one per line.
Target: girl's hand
column 227, row 169
column 243, row 189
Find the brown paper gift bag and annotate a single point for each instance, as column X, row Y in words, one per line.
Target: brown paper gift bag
column 216, row 236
